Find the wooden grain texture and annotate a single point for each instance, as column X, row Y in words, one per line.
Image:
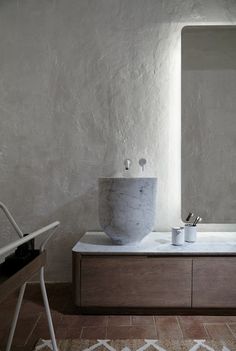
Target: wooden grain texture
column 214, row 282
column 76, row 259
column 10, row 284
column 135, row 281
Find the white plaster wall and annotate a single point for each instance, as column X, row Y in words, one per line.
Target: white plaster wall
column 83, row 85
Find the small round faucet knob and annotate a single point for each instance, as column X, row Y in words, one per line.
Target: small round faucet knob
column 142, row 162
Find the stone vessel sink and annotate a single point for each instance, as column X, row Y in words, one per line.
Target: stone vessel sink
column 127, row 208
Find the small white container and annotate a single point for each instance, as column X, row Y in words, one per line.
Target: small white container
column 190, row 233
column 177, row 236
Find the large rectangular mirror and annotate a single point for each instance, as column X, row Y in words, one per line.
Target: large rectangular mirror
column 208, row 123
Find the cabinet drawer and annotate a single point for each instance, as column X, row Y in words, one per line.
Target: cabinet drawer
column 214, row 282
column 135, row 281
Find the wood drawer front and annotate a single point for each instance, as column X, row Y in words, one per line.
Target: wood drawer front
column 214, row 282
column 135, row 281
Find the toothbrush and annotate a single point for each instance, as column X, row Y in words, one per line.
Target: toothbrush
column 189, row 216
column 196, row 221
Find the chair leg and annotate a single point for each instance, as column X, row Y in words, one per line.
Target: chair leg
column 15, row 317
column 48, row 313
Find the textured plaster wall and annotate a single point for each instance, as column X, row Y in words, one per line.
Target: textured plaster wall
column 83, row 85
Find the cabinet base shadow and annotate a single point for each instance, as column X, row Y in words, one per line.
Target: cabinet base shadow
column 157, row 311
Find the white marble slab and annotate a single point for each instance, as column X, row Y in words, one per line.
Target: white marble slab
column 160, row 243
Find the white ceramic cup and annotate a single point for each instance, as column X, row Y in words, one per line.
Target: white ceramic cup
column 190, row 233
column 177, row 236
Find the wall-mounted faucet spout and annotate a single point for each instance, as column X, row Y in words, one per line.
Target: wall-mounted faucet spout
column 127, row 164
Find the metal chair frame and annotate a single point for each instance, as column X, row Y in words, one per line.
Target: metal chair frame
column 23, row 239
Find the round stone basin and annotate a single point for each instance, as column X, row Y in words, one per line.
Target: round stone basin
column 127, row 208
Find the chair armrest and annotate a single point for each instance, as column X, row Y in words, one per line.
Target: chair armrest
column 33, row 235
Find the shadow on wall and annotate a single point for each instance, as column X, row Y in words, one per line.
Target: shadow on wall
column 76, row 217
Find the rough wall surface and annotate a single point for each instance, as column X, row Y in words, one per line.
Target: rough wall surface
column 83, row 85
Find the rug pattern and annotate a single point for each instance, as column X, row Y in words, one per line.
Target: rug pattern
column 138, row 345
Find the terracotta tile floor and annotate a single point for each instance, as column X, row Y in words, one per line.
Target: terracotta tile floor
column 32, row 323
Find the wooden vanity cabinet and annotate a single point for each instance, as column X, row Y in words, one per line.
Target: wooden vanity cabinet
column 154, row 282
column 134, row 281
column 214, row 282
column 156, row 277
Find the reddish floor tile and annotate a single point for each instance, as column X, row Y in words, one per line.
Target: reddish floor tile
column 33, row 300
column 56, row 319
column 70, row 324
column 74, row 333
column 216, row 319
column 94, row 321
column 72, row 321
column 168, row 327
column 132, row 332
column 142, row 320
column 218, row 331
column 41, row 331
column 119, row 320
column 62, row 333
column 38, row 333
column 93, row 333
column 33, row 293
column 30, row 308
column 24, row 330
column 192, row 328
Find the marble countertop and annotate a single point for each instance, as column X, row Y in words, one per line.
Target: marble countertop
column 160, row 243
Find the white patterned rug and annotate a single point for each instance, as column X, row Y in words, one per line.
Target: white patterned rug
column 138, row 345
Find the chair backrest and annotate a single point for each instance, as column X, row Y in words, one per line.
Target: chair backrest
column 23, row 239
